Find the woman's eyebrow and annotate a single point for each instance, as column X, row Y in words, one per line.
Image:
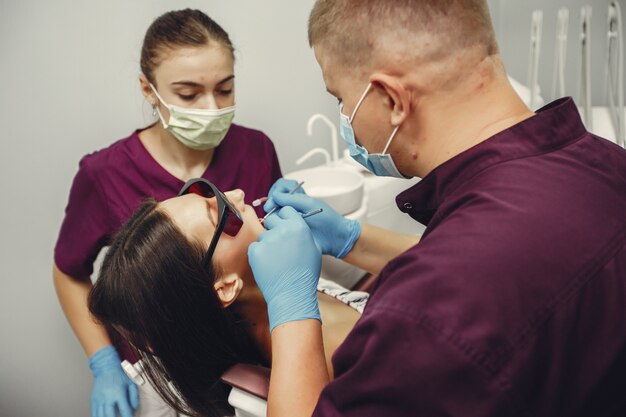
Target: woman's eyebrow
column 230, row 77
column 187, row 83
column 195, row 84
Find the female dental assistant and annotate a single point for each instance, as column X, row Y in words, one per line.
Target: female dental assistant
column 188, row 77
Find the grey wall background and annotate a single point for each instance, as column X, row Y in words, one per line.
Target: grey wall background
column 68, row 86
column 512, row 21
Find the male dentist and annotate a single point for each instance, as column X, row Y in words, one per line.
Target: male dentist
column 513, row 303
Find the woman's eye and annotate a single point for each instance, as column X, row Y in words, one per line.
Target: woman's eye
column 187, row 97
column 225, row 92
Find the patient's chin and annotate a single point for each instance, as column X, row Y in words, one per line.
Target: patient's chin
column 252, row 222
column 257, row 229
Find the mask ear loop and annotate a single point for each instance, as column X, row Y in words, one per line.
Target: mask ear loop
column 393, row 135
column 358, row 103
column 156, row 108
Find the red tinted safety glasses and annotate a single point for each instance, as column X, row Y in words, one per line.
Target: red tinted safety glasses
column 229, row 219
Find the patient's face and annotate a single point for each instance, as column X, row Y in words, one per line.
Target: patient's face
column 196, row 216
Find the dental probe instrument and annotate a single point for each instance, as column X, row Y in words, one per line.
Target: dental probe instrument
column 312, row 213
column 296, row 188
column 307, row 214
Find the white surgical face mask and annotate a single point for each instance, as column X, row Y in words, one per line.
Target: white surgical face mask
column 379, row 164
column 199, row 129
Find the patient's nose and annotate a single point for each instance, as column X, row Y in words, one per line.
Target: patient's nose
column 236, row 197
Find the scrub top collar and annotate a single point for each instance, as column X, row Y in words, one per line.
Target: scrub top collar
column 552, row 127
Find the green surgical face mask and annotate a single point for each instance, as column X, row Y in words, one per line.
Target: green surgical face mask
column 199, row 129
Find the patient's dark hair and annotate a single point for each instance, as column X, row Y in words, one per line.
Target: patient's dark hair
column 154, row 289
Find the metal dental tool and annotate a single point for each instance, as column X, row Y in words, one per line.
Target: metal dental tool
column 307, row 214
column 312, row 213
column 296, row 188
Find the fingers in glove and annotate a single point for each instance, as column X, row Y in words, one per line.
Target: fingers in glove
column 108, row 410
column 272, row 222
column 282, row 186
column 133, row 395
column 124, row 408
column 301, row 202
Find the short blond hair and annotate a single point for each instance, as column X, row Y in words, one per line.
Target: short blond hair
column 351, row 29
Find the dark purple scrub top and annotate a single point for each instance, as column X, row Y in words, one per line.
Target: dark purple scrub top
column 514, row 301
column 111, row 183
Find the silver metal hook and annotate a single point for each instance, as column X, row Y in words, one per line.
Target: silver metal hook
column 534, row 54
column 614, row 72
column 584, row 85
column 560, row 57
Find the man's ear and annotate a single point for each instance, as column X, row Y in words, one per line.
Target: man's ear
column 228, row 288
column 396, row 96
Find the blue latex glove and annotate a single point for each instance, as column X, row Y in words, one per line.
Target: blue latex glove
column 286, row 264
column 333, row 233
column 111, row 386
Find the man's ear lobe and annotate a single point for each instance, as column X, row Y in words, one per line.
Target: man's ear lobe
column 397, row 96
column 228, row 288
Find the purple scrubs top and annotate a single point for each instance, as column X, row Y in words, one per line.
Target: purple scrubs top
column 111, row 183
column 514, row 301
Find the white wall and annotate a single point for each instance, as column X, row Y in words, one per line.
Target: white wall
column 68, row 86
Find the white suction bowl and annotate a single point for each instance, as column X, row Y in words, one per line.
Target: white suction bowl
column 340, row 188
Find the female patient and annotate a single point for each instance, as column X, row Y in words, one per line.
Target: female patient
column 177, row 284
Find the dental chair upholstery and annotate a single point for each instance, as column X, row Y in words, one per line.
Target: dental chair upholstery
column 250, row 385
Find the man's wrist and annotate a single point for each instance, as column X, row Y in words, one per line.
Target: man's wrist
column 286, row 309
column 353, row 233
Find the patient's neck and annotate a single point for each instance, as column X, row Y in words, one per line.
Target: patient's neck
column 252, row 307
